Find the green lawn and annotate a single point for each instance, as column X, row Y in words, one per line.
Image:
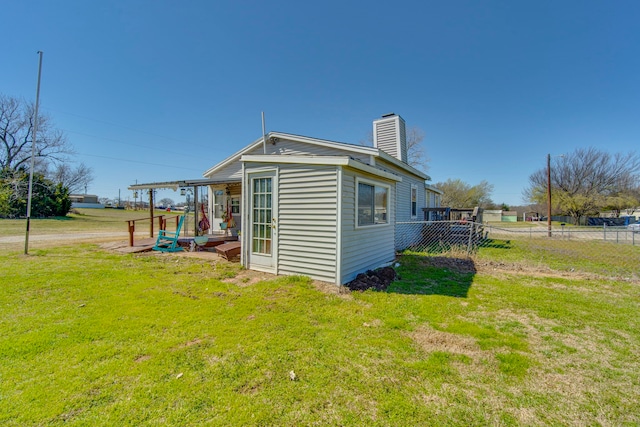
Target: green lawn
column 95, row 338
column 83, row 220
column 525, row 332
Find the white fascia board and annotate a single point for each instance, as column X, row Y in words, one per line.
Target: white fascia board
column 233, row 157
column 403, row 165
column 320, row 160
column 304, row 139
column 361, row 149
column 370, row 151
column 431, row 188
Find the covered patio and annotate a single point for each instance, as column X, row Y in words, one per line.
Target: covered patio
column 213, row 203
column 221, row 190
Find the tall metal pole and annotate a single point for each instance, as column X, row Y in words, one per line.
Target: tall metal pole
column 33, row 155
column 549, row 195
column 264, row 137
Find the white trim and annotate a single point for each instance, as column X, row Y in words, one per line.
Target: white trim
column 253, row 174
column 275, row 205
column 321, row 160
column 412, row 214
column 233, row 157
column 432, row 188
column 244, row 247
column 357, row 205
column 370, row 151
column 325, row 143
column 339, row 177
column 389, row 158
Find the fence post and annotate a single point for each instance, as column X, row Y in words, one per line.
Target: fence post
column 471, row 226
column 132, row 228
column 604, row 231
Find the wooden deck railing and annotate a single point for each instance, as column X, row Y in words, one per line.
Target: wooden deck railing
column 162, row 225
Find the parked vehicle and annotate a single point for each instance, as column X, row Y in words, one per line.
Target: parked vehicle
column 635, row 227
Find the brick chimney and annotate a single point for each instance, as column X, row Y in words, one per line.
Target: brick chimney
column 390, row 136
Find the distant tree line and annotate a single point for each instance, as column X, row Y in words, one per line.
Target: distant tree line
column 53, row 179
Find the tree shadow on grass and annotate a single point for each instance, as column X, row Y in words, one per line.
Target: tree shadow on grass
column 433, row 275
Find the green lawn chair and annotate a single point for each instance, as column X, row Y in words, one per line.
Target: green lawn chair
column 168, row 240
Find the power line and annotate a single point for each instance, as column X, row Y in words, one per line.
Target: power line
column 155, row 149
column 137, row 161
column 127, row 127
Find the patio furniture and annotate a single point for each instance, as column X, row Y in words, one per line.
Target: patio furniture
column 168, row 240
column 229, row 250
column 199, row 243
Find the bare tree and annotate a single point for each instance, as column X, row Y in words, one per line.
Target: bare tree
column 16, row 135
column 75, row 179
column 167, row 202
column 588, row 181
column 458, row 194
column 416, row 154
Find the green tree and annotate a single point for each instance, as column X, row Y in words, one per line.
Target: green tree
column 458, row 194
column 48, row 198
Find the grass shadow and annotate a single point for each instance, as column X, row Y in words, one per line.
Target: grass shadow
column 496, row 244
column 426, row 274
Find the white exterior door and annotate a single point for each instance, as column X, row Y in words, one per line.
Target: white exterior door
column 262, row 217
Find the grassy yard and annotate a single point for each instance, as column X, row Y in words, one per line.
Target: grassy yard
column 96, row 338
column 82, row 220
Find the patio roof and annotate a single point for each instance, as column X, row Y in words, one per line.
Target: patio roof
column 175, row 185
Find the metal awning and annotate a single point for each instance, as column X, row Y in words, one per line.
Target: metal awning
column 175, row 185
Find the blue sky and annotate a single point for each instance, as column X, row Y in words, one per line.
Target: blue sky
column 156, row 90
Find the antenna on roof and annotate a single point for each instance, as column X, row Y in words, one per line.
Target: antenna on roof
column 264, row 137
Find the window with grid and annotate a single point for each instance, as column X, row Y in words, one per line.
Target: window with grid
column 262, row 209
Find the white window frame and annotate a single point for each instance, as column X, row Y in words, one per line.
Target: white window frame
column 235, row 204
column 374, row 184
column 413, row 201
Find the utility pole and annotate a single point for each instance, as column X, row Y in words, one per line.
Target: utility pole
column 33, row 155
column 549, row 195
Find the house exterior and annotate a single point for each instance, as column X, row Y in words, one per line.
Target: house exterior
column 319, row 208
column 85, row 201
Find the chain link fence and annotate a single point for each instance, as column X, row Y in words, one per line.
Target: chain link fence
column 611, row 251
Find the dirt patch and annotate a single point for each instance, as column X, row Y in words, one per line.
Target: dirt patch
column 249, row 277
column 332, row 288
column 432, row 340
